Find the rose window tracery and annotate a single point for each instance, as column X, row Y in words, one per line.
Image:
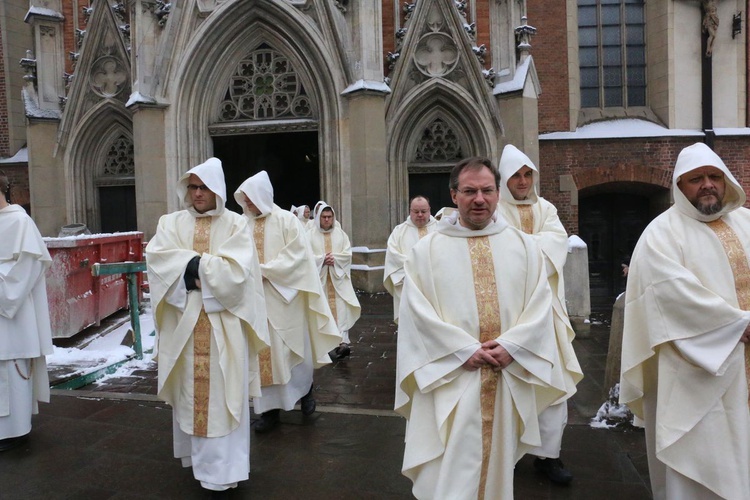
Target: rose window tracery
column 265, row 86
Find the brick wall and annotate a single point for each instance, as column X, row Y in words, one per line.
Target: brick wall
column 18, row 175
column 549, row 49
column 389, row 27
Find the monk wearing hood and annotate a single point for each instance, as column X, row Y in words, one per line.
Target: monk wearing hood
column 684, row 355
column 300, row 323
column 210, row 319
column 524, row 209
column 333, row 259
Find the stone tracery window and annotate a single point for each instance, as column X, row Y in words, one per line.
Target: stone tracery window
column 120, row 158
column 439, row 144
column 265, row 86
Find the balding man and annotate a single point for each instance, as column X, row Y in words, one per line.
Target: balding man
column 419, row 224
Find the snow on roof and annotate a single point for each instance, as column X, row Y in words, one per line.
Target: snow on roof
column 518, row 81
column 137, row 97
column 732, row 131
column 621, row 128
column 44, row 12
column 367, row 85
column 21, row 157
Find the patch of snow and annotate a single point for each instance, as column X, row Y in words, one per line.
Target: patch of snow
column 137, row 97
column 621, row 128
column 732, row 131
column 34, row 111
column 89, row 236
column 21, row 157
column 518, row 81
column 370, row 85
column 43, row 12
column 612, row 414
column 367, row 250
column 365, row 267
column 575, row 241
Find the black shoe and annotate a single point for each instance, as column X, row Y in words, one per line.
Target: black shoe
column 342, row 351
column 267, row 422
column 13, row 442
column 554, row 469
column 307, row 403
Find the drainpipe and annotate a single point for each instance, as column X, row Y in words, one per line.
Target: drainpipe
column 706, row 88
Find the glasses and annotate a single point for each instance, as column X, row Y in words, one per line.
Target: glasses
column 471, row 192
column 196, row 187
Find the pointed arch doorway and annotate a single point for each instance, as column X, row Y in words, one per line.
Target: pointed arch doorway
column 291, row 160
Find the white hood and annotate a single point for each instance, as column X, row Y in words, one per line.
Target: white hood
column 511, row 161
column 696, row 156
column 212, row 175
column 260, row 191
column 320, row 206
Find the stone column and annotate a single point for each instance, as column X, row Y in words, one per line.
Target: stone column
column 368, row 171
column 151, row 190
column 46, row 177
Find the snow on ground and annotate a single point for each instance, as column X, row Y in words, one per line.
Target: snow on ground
column 612, row 414
column 106, row 350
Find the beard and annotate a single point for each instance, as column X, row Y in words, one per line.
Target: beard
column 708, row 208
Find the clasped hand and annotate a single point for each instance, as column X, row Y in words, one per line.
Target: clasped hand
column 491, row 354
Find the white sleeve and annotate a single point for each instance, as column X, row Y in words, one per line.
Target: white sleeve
column 711, row 350
column 443, row 370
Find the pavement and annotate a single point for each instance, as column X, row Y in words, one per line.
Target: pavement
column 114, row 440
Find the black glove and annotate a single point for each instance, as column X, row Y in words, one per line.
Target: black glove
column 191, row 273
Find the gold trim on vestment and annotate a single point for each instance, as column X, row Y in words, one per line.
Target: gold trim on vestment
column 264, row 355
column 488, row 309
column 330, row 290
column 422, row 232
column 201, row 342
column 741, row 271
column 527, row 218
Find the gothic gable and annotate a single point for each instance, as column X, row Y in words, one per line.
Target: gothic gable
column 102, row 72
column 437, row 45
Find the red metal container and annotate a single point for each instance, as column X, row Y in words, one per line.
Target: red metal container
column 76, row 298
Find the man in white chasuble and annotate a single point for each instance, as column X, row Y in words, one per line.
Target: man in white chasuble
column 524, row 209
column 477, row 356
column 301, row 327
column 419, row 224
column 684, row 355
column 25, row 333
column 333, row 260
column 210, row 319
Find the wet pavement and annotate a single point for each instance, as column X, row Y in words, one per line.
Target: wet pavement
column 114, row 440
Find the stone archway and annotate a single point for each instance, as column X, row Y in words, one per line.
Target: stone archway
column 210, row 62
column 100, row 156
column 437, row 102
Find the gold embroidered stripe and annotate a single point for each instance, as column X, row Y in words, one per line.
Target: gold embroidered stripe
column 422, row 231
column 488, row 309
column 330, row 290
column 740, row 269
column 264, row 356
column 527, row 218
column 201, row 342
column 259, row 237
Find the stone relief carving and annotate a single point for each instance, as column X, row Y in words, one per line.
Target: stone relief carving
column 47, row 31
column 265, row 86
column 436, row 54
column 439, row 143
column 120, row 158
column 108, row 77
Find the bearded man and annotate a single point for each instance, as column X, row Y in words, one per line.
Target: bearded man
column 684, row 347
